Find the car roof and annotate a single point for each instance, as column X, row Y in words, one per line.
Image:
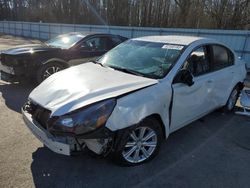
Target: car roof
column 171, row 39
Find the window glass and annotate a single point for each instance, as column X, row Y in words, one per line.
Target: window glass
column 97, row 43
column 197, row 62
column 149, row 59
column 65, row 41
column 116, row 39
column 113, row 41
column 222, row 57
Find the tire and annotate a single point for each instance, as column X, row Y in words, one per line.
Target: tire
column 48, row 69
column 131, row 150
column 232, row 100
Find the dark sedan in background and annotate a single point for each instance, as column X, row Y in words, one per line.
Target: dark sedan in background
column 39, row 61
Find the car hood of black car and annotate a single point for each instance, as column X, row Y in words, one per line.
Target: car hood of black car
column 30, row 48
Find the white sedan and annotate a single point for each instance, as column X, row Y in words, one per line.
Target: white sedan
column 134, row 96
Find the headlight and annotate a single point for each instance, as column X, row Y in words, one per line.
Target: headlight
column 83, row 120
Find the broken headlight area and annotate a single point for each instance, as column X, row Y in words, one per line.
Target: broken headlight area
column 79, row 129
column 82, row 121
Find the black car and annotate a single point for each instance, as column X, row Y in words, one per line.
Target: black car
column 39, row 61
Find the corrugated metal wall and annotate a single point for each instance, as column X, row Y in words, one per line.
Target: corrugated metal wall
column 239, row 40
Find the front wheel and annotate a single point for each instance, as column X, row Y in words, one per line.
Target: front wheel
column 48, row 69
column 140, row 144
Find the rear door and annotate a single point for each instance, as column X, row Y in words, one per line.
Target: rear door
column 191, row 102
column 222, row 71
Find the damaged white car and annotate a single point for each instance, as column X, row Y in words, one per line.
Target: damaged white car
column 134, row 96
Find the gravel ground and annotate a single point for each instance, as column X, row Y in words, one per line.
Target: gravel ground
column 211, row 152
column 7, row 41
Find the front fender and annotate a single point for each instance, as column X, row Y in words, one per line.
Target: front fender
column 134, row 107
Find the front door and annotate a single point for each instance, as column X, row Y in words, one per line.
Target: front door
column 90, row 50
column 191, row 102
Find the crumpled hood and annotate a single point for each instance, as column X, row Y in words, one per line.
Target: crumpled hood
column 82, row 85
column 30, row 48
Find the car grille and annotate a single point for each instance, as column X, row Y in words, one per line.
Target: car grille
column 39, row 114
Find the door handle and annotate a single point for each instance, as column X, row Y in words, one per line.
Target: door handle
column 210, row 81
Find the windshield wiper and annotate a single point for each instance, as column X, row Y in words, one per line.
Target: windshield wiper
column 122, row 69
column 52, row 45
column 96, row 62
column 47, row 44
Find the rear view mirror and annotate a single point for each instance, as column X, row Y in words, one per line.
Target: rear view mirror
column 184, row 76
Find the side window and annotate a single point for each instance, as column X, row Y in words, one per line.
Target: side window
column 197, row 62
column 222, row 57
column 97, row 43
column 116, row 40
column 113, row 41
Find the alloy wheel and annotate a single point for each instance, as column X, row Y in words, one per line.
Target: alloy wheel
column 141, row 145
column 50, row 70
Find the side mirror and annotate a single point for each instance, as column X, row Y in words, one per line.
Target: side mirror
column 184, row 76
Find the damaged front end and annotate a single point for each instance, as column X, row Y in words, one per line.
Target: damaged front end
column 72, row 132
column 14, row 68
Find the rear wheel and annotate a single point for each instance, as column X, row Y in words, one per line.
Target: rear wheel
column 48, row 69
column 140, row 144
column 232, row 100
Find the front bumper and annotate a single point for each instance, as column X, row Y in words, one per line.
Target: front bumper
column 6, row 73
column 6, row 69
column 46, row 138
column 8, row 77
column 16, row 73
